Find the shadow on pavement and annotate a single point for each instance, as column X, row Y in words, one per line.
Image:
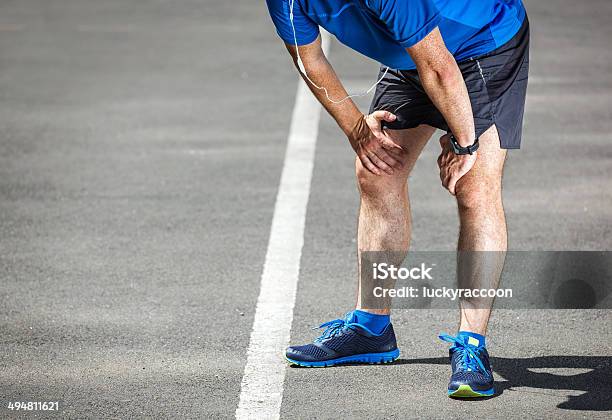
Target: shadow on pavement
column 596, row 383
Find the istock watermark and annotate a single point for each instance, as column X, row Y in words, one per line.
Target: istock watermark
column 384, row 271
column 507, row 280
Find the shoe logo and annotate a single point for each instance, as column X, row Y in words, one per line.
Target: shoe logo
column 473, row 341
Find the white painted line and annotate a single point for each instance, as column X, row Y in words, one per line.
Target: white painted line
column 261, row 391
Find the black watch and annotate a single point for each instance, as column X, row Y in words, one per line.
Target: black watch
column 459, row 150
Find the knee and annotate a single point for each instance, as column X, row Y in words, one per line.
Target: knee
column 478, row 196
column 366, row 181
column 377, row 186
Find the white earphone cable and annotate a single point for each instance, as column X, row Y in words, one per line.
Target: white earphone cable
column 303, row 69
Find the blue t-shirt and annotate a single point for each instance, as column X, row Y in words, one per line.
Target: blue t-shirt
column 383, row 29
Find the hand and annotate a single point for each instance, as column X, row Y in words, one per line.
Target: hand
column 452, row 166
column 373, row 146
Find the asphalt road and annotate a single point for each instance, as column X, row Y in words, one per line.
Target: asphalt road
column 141, row 145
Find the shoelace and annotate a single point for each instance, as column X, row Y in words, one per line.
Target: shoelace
column 332, row 328
column 468, row 357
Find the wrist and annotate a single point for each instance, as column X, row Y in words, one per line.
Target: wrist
column 356, row 130
column 463, row 149
column 465, row 140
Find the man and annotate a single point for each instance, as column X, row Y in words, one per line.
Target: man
column 460, row 66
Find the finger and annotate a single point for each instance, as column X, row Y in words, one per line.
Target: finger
column 397, row 154
column 383, row 116
column 388, row 159
column 456, row 178
column 446, row 156
column 452, row 183
column 389, row 144
column 380, row 163
column 443, row 178
column 365, row 160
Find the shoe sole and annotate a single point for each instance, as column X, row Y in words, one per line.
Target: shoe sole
column 366, row 358
column 466, row 391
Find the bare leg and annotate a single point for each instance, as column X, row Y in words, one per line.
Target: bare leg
column 482, row 228
column 384, row 213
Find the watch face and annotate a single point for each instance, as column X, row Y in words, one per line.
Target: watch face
column 455, row 144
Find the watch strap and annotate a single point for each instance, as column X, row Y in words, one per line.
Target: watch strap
column 460, row 150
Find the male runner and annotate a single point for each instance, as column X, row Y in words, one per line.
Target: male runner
column 456, row 65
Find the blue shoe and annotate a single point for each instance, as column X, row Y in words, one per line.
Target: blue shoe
column 345, row 341
column 472, row 376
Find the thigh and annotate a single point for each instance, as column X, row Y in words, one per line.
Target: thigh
column 412, row 141
column 488, row 169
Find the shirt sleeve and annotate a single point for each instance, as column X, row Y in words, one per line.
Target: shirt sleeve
column 408, row 21
column 306, row 31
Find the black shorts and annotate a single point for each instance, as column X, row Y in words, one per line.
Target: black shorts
column 496, row 83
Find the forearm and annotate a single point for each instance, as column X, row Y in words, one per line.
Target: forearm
column 448, row 92
column 346, row 114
